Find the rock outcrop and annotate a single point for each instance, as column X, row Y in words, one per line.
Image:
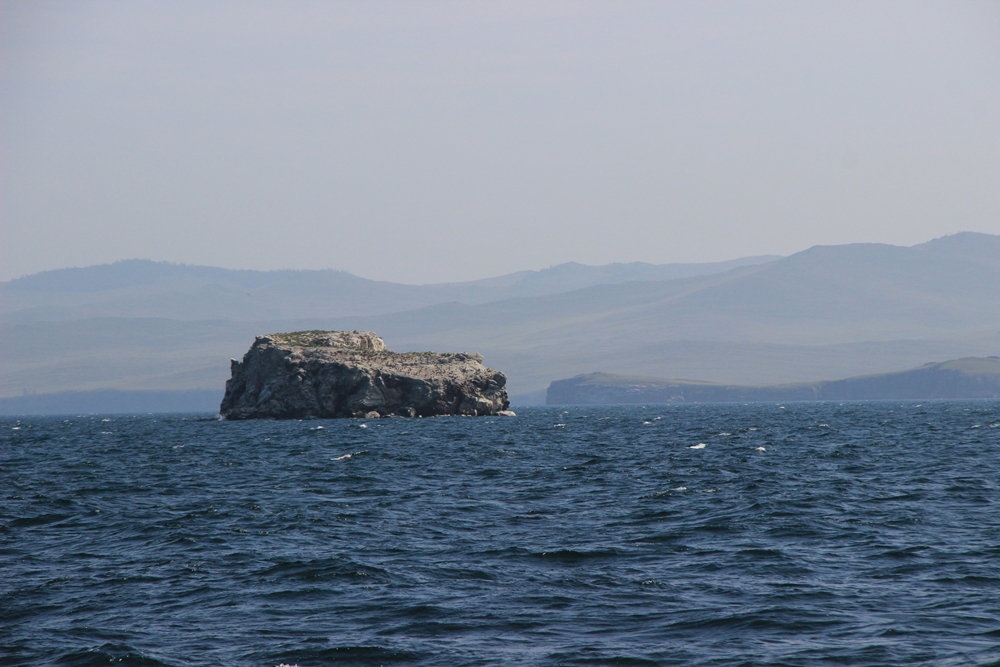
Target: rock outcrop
column 328, row 374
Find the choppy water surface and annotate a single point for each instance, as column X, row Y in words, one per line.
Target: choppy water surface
column 803, row 534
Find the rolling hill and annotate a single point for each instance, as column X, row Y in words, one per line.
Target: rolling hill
column 142, row 288
column 972, row 377
column 829, row 311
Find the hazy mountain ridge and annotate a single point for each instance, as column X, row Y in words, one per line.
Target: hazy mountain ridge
column 824, row 295
column 145, row 354
column 144, row 288
column 829, row 311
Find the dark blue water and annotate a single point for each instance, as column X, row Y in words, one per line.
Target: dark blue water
column 862, row 534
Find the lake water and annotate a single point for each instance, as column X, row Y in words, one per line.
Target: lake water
column 797, row 534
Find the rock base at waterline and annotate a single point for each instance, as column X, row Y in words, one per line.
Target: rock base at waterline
column 328, row 374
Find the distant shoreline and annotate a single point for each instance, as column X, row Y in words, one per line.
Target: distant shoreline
column 970, row 377
column 112, row 401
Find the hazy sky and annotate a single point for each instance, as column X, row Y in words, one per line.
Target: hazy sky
column 435, row 141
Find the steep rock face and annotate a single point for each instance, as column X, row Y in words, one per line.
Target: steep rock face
column 351, row 374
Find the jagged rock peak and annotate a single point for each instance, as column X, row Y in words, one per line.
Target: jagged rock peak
column 328, row 374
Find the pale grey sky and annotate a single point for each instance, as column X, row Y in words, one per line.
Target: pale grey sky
column 437, row 141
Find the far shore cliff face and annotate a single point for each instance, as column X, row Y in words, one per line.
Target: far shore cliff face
column 329, row 374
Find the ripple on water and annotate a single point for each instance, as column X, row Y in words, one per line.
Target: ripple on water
column 801, row 534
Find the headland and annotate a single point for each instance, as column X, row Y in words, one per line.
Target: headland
column 970, row 377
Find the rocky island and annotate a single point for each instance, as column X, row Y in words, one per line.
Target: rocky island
column 327, row 374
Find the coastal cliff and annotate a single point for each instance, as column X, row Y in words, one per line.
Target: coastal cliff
column 329, row 374
column 971, row 377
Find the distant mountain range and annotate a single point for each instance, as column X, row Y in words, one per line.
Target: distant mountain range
column 829, row 311
column 142, row 288
column 959, row 378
